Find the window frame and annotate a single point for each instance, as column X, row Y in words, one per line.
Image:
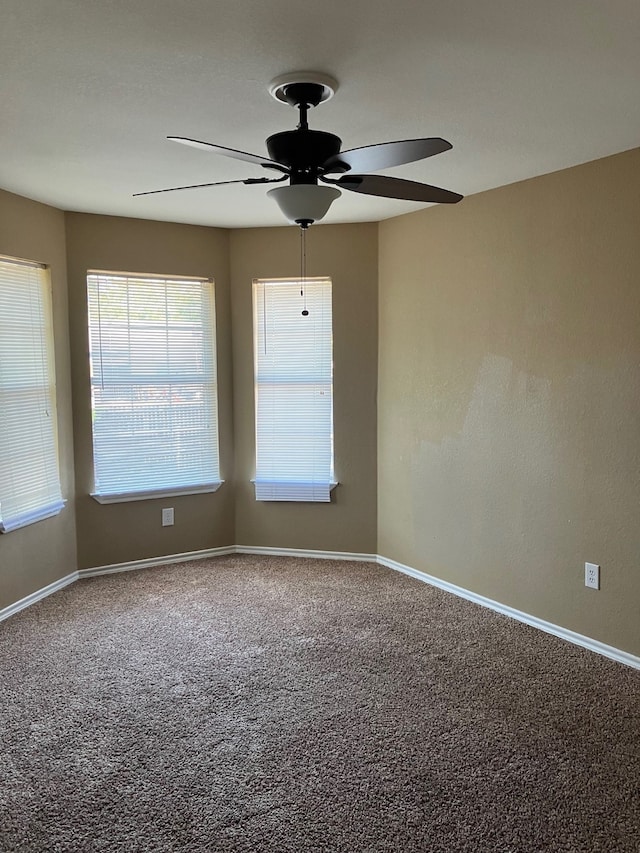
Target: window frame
column 316, row 481
column 36, row 413
column 213, row 480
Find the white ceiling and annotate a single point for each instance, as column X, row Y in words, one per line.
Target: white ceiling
column 91, row 88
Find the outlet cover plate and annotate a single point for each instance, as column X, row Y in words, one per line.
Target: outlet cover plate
column 592, row 575
column 167, row 516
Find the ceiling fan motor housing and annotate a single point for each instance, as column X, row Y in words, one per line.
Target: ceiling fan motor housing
column 304, row 152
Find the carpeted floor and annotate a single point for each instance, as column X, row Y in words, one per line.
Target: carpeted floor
column 276, row 704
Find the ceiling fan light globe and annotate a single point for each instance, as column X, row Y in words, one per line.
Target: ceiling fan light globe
column 304, row 202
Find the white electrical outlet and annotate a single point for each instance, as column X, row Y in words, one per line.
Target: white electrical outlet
column 167, row 516
column 592, row 575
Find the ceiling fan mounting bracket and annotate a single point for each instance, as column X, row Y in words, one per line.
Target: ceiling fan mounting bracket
column 297, row 87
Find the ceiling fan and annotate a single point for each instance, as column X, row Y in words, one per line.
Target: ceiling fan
column 309, row 159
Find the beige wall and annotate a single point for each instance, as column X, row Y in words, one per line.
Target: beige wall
column 33, row 557
column 348, row 254
column 509, row 380
column 115, row 533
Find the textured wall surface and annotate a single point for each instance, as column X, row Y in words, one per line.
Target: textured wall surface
column 34, row 556
column 348, row 254
column 509, row 389
column 508, row 381
column 121, row 532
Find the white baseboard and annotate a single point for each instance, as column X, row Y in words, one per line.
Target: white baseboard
column 548, row 627
column 150, row 562
column 300, row 552
column 38, row 595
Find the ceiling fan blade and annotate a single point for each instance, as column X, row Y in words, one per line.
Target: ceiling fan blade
column 230, row 152
column 370, row 158
column 383, row 185
column 216, row 184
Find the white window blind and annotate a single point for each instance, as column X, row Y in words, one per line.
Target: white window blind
column 293, row 356
column 29, row 473
column 153, row 383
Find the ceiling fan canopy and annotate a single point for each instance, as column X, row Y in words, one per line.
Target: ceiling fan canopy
column 306, row 157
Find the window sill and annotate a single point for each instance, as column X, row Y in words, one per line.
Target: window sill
column 126, row 497
column 296, row 491
column 32, row 517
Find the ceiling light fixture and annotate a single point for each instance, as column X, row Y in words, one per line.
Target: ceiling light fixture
column 304, row 204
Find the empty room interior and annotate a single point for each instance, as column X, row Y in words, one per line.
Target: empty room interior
column 428, row 639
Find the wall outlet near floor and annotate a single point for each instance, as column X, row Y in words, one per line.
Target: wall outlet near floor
column 167, row 516
column 592, row 575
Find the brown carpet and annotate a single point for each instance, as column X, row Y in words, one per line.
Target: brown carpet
column 276, row 704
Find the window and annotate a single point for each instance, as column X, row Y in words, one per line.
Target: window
column 29, row 473
column 293, row 355
column 153, row 386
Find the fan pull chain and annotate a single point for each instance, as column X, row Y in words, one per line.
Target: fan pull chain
column 303, row 268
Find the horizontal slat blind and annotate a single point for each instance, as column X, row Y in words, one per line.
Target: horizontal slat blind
column 293, row 390
column 29, row 473
column 153, row 381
